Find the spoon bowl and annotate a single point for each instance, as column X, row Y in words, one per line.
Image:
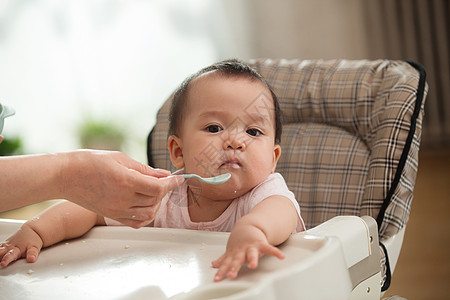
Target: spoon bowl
column 211, row 180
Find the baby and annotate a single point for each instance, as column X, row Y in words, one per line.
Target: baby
column 223, row 119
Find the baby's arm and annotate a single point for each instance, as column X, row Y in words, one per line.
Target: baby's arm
column 62, row 221
column 269, row 223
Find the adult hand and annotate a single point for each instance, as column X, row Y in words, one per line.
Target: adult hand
column 115, row 186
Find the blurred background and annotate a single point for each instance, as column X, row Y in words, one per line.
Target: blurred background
column 83, row 73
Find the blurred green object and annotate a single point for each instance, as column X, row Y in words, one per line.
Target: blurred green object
column 11, row 146
column 5, row 112
column 101, row 135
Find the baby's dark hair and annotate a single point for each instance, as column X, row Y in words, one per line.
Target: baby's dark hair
column 227, row 68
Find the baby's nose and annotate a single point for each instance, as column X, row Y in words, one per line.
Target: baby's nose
column 235, row 142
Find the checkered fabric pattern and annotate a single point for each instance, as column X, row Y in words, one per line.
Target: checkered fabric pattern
column 345, row 147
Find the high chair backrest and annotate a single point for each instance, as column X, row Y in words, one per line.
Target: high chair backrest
column 351, row 136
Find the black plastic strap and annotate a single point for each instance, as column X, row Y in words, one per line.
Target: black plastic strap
column 386, row 282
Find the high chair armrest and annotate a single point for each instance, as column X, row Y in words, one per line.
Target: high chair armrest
column 359, row 240
column 354, row 234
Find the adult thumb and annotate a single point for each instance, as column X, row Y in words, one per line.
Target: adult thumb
column 173, row 181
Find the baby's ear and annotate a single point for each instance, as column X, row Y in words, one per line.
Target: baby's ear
column 175, row 146
column 276, row 156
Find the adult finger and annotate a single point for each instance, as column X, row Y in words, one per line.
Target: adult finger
column 152, row 186
column 142, row 213
column 144, row 169
column 134, row 223
column 146, row 211
column 155, row 172
column 141, row 202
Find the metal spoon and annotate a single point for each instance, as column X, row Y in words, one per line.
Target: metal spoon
column 211, row 180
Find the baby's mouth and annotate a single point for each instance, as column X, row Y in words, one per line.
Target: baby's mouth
column 231, row 164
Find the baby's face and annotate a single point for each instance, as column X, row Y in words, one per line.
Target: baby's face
column 228, row 127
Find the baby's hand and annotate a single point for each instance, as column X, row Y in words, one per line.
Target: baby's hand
column 243, row 246
column 24, row 243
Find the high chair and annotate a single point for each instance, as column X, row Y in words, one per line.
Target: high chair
column 350, row 143
column 349, row 153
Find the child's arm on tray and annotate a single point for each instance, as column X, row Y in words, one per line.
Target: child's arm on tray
column 62, row 221
column 268, row 224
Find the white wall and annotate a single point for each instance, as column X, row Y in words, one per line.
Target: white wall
column 308, row 29
column 63, row 61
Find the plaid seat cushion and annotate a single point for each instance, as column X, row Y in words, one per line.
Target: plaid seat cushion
column 350, row 139
column 326, row 167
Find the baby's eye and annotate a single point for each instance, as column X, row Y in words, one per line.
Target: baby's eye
column 253, row 132
column 213, row 128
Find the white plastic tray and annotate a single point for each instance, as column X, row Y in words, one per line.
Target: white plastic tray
column 152, row 263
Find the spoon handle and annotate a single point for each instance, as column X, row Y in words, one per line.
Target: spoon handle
column 191, row 176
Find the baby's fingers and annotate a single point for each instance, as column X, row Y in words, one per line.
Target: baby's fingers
column 3, row 249
column 216, row 263
column 32, row 254
column 229, row 266
column 10, row 256
column 252, row 257
column 220, row 274
column 272, row 250
column 253, row 254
